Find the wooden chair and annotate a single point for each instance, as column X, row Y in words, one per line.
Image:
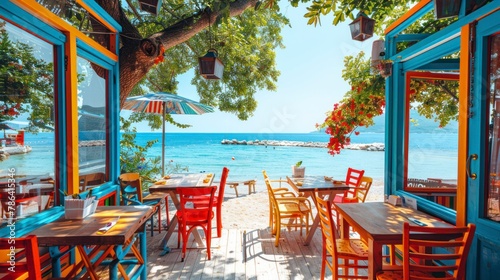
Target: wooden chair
column 359, row 194
column 281, row 191
column 353, row 180
column 356, row 194
column 345, row 254
column 433, row 252
column 131, row 191
column 296, row 210
column 218, row 199
column 190, row 218
column 26, row 258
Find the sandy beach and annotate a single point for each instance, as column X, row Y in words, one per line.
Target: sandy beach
column 252, row 211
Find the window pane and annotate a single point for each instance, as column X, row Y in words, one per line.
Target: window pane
column 433, row 144
column 92, row 90
column 27, row 119
column 492, row 208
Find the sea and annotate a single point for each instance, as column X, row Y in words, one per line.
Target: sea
column 432, row 154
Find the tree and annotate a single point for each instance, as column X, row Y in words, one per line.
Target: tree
column 26, row 83
column 245, row 32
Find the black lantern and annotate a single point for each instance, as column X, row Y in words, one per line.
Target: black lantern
column 211, row 67
column 446, row 8
column 362, row 27
column 150, row 6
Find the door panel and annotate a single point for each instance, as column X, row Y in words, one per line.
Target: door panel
column 484, row 141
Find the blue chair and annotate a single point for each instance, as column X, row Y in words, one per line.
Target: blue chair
column 131, row 194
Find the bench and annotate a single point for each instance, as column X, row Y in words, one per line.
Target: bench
column 249, row 183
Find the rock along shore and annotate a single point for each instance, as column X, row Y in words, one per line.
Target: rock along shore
column 365, row 147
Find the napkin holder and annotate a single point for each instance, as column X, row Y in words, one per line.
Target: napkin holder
column 394, row 200
column 79, row 208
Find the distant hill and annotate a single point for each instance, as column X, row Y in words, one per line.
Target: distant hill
column 421, row 125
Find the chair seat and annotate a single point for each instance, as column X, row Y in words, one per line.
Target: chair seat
column 352, row 246
column 154, row 196
column 286, row 208
column 396, row 275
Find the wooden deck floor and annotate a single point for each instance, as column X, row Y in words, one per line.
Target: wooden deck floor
column 231, row 259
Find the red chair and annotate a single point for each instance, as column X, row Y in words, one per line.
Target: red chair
column 218, row 199
column 26, row 258
column 440, row 253
column 353, row 180
column 190, row 218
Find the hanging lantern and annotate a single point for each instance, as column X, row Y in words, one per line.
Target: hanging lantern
column 211, row 67
column 150, row 6
column 446, row 8
column 362, row 27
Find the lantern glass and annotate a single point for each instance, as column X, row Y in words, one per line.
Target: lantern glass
column 211, row 67
column 150, row 6
column 362, row 27
column 446, row 8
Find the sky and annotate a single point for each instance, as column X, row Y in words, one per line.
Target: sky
column 310, row 81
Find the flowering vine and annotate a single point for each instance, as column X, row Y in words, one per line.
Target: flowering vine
column 360, row 105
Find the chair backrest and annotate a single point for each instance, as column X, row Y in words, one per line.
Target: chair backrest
column 353, row 179
column 441, row 251
column 190, row 196
column 272, row 198
column 131, row 186
column 327, row 224
column 25, row 257
column 222, row 186
column 364, row 187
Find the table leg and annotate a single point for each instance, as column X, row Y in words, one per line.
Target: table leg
column 374, row 258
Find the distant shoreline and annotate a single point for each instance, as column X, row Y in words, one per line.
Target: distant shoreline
column 378, row 147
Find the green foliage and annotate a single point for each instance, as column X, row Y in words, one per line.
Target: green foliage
column 246, row 45
column 432, row 99
column 133, row 157
column 298, row 164
column 26, row 83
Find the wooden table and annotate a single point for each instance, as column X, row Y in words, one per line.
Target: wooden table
column 379, row 224
column 307, row 186
column 170, row 185
column 115, row 248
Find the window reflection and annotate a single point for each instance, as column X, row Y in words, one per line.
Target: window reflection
column 27, row 119
column 91, row 122
column 432, row 138
column 492, row 207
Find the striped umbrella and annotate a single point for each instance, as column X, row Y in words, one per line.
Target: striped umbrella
column 163, row 103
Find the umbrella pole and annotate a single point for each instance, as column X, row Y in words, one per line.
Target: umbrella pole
column 163, row 142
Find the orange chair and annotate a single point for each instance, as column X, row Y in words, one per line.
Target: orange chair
column 131, row 191
column 279, row 191
column 295, row 210
column 433, row 252
column 190, row 218
column 345, row 254
column 26, row 258
column 359, row 194
column 218, row 199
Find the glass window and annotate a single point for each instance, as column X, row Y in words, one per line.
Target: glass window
column 493, row 184
column 92, row 92
column 432, row 139
column 80, row 18
column 27, row 120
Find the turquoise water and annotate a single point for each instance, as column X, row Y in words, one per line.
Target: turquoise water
column 204, row 152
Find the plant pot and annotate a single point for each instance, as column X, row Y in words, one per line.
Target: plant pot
column 298, row 172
